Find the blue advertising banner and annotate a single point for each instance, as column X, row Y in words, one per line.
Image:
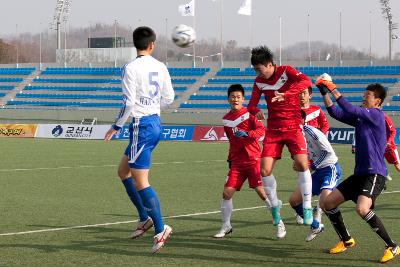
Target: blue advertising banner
column 170, row 133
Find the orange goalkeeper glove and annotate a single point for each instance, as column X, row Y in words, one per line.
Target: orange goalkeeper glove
column 325, row 86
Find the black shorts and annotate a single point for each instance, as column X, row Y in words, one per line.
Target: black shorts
column 369, row 185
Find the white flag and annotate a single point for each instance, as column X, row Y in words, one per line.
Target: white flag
column 245, row 8
column 187, row 9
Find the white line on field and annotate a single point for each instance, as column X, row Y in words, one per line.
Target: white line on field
column 102, row 166
column 125, row 222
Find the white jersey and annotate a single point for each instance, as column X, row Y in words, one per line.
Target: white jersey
column 146, row 87
column 319, row 149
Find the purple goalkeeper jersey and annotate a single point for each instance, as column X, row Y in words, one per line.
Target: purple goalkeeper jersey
column 370, row 135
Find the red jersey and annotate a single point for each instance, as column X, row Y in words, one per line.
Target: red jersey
column 316, row 118
column 390, row 130
column 243, row 151
column 285, row 114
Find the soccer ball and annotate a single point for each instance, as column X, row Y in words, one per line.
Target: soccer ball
column 325, row 76
column 183, row 35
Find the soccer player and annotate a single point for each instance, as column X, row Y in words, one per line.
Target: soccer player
column 281, row 86
column 325, row 178
column 391, row 153
column 314, row 115
column 146, row 88
column 243, row 131
column 368, row 180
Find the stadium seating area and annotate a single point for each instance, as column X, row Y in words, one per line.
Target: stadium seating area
column 99, row 88
column 312, row 71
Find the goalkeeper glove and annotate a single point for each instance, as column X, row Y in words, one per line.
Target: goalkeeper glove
column 240, row 133
column 325, row 84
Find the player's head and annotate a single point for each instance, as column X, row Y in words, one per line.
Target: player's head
column 305, row 97
column 303, row 116
column 374, row 96
column 144, row 38
column 236, row 96
column 262, row 61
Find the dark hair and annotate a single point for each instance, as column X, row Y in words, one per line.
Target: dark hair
column 142, row 37
column 235, row 88
column 261, row 55
column 309, row 90
column 379, row 91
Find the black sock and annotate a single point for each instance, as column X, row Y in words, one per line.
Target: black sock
column 377, row 226
column 335, row 216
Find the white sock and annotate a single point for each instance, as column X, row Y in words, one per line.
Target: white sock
column 305, row 183
column 269, row 184
column 226, row 212
column 318, row 214
column 268, row 205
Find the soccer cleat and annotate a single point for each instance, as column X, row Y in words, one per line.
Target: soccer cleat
column 299, row 220
column 390, row 253
column 281, row 230
column 342, row 246
column 307, row 216
column 389, row 178
column 223, row 232
column 314, row 232
column 276, row 213
column 142, row 228
column 160, row 238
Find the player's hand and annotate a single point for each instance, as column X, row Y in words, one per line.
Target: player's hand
column 110, row 134
column 278, row 97
column 260, row 116
column 240, row 133
column 325, row 84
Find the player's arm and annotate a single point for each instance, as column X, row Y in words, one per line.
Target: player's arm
column 325, row 86
column 390, row 130
column 129, row 85
column 258, row 130
column 167, row 91
column 323, row 122
column 254, row 99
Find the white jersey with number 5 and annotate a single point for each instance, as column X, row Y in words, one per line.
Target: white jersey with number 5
column 146, row 87
column 319, row 149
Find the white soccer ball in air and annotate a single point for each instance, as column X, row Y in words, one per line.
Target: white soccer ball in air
column 183, row 35
column 325, row 77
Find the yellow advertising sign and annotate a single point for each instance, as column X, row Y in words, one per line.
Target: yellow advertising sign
column 17, row 130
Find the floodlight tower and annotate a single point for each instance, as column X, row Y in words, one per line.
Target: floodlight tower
column 61, row 15
column 387, row 14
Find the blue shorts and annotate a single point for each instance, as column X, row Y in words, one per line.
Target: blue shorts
column 144, row 134
column 326, row 178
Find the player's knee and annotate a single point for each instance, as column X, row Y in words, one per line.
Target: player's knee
column 122, row 175
column 265, row 172
column 226, row 195
column 362, row 210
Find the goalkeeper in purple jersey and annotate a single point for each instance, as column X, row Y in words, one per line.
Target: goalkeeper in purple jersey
column 368, row 180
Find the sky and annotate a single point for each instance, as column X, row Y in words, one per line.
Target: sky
column 320, row 16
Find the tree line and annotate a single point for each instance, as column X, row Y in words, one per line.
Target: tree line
column 27, row 47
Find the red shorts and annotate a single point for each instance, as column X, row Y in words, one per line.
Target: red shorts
column 237, row 175
column 391, row 154
column 275, row 140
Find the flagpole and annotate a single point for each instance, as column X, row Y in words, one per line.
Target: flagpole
column 309, row 40
column 280, row 41
column 340, row 39
column 221, row 54
column 194, row 27
column 166, row 41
